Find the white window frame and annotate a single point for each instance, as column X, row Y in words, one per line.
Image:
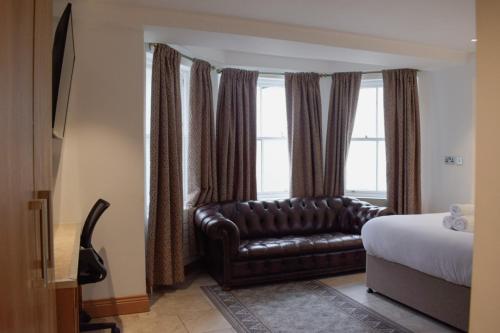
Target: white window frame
column 372, row 81
column 266, row 82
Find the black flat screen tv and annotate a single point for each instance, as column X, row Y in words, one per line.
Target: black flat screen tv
column 63, row 61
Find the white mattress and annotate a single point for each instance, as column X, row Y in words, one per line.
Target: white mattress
column 422, row 243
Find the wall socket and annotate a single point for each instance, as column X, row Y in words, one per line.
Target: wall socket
column 454, row 160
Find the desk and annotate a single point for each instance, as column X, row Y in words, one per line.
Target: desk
column 66, row 251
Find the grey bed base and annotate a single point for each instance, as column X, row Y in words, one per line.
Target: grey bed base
column 433, row 296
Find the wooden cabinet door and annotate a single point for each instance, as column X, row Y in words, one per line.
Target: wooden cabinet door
column 18, row 306
column 42, row 144
column 27, row 301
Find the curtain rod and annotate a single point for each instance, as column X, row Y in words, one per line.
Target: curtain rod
column 320, row 74
column 219, row 70
column 212, row 67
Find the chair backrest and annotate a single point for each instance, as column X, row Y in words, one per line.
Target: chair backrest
column 88, row 228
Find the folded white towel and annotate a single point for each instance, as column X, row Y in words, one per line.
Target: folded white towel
column 448, row 221
column 463, row 223
column 461, row 209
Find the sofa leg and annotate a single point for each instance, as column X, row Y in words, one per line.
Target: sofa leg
column 226, row 288
column 369, row 291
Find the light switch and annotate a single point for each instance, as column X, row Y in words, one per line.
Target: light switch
column 454, row 160
column 449, row 160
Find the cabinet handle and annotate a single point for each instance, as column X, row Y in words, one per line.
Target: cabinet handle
column 41, row 206
column 46, row 195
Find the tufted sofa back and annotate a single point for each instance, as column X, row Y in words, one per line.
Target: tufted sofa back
column 296, row 216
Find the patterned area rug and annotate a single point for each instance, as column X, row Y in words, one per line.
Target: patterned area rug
column 305, row 306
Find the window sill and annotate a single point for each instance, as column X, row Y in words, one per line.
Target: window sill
column 367, row 195
column 377, row 199
column 272, row 196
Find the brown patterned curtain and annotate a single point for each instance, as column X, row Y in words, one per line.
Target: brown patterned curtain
column 202, row 173
column 343, row 102
column 303, row 108
column 164, row 256
column 236, row 135
column 202, row 186
column 402, row 140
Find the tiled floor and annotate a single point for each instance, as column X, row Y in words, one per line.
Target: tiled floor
column 188, row 310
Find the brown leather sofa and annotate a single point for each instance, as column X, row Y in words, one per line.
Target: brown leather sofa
column 257, row 241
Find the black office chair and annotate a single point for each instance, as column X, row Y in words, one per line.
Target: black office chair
column 91, row 267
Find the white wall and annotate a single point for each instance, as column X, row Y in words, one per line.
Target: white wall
column 102, row 153
column 447, row 128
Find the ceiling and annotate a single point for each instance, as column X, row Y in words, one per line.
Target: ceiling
column 444, row 23
column 260, row 52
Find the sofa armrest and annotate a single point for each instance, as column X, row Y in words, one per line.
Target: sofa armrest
column 358, row 212
column 215, row 226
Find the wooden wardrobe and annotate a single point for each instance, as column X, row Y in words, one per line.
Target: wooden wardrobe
column 27, row 297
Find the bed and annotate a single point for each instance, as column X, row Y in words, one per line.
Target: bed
column 413, row 259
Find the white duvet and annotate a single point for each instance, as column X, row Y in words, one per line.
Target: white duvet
column 422, row 243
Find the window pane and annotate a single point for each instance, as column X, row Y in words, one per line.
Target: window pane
column 147, row 132
column 366, row 118
column 184, row 84
column 273, row 112
column 275, row 166
column 272, row 145
column 361, row 166
column 259, row 166
column 382, row 177
column 259, row 112
column 147, row 110
column 365, row 166
column 381, row 128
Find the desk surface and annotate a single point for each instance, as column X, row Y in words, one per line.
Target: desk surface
column 66, row 250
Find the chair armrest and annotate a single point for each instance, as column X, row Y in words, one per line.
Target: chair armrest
column 215, row 226
column 358, row 212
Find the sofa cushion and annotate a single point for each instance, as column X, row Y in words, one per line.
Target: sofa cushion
column 297, row 245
